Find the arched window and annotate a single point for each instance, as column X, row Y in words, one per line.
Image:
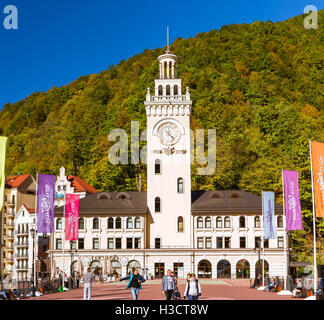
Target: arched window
column 118, row 223
column 59, row 224
column 110, row 223
column 180, row 224
column 257, row 222
column 95, row 223
column 227, row 222
column 200, row 222
column 175, row 90
column 180, row 188
column 280, row 222
column 138, row 223
column 165, row 69
column 170, row 69
column 157, row 168
column 81, row 223
column 160, row 90
column 157, row 204
column 129, row 223
column 242, row 222
column 168, row 90
column 208, row 222
column 219, row 222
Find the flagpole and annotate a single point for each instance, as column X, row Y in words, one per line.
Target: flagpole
column 36, row 203
column 284, row 225
column 314, row 218
column 63, row 240
column 262, row 242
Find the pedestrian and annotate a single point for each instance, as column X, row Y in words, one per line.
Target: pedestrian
column 87, row 282
column 3, row 295
column 176, row 294
column 134, row 283
column 168, row 285
column 193, row 289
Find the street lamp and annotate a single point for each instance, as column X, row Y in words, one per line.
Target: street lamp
column 71, row 251
column 32, row 233
column 258, row 243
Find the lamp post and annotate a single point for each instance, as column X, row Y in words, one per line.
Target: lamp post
column 32, row 233
column 258, row 247
column 71, row 251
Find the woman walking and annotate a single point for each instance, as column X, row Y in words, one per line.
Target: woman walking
column 134, row 283
column 193, row 289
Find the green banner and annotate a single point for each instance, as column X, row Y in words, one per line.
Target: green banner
column 3, row 141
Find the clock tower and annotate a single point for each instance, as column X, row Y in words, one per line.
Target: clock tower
column 168, row 114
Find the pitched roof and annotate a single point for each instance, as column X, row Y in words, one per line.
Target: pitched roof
column 80, row 185
column 112, row 202
column 16, row 181
column 30, row 211
column 229, row 201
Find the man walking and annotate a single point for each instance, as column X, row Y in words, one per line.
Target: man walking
column 87, row 282
column 168, row 285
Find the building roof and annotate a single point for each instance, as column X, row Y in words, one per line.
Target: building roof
column 111, row 203
column 30, row 211
column 16, row 181
column 227, row 201
column 80, row 185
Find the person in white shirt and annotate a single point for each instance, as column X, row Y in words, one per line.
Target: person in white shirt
column 87, row 282
column 193, row 289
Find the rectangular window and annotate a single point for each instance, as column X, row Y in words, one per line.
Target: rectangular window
column 227, row 242
column 266, row 243
column 137, row 243
column 257, row 242
column 200, row 243
column 157, row 243
column 95, row 243
column 219, row 242
column 73, row 245
column 129, row 243
column 110, row 243
column 280, row 242
column 81, row 244
column 208, row 243
column 118, row 243
column 242, row 242
column 58, row 244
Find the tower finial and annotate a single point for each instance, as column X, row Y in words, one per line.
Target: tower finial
column 168, row 41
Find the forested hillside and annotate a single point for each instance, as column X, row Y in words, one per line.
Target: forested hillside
column 259, row 85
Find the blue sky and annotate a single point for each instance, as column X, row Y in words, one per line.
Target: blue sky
column 59, row 40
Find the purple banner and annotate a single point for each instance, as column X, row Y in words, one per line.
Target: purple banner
column 292, row 201
column 45, row 203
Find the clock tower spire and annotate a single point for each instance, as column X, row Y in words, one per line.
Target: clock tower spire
column 168, row 114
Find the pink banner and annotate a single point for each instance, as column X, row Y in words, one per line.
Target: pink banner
column 292, row 201
column 72, row 216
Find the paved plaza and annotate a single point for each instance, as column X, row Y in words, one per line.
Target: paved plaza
column 211, row 290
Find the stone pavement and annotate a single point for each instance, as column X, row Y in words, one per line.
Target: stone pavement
column 211, row 290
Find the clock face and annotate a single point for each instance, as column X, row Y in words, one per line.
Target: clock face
column 169, row 133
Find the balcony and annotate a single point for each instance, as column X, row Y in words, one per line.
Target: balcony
column 8, row 271
column 10, row 225
column 178, row 98
column 9, row 249
column 22, row 233
column 22, row 245
column 8, row 259
column 10, row 214
column 10, row 203
column 9, row 236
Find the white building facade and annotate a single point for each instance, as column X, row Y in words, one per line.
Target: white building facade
column 215, row 234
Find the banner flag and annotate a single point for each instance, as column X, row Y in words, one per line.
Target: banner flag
column 3, row 141
column 318, row 174
column 45, row 203
column 292, row 201
column 72, row 216
column 268, row 215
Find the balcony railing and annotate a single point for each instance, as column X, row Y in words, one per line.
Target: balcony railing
column 10, row 203
column 178, row 98
column 9, row 225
